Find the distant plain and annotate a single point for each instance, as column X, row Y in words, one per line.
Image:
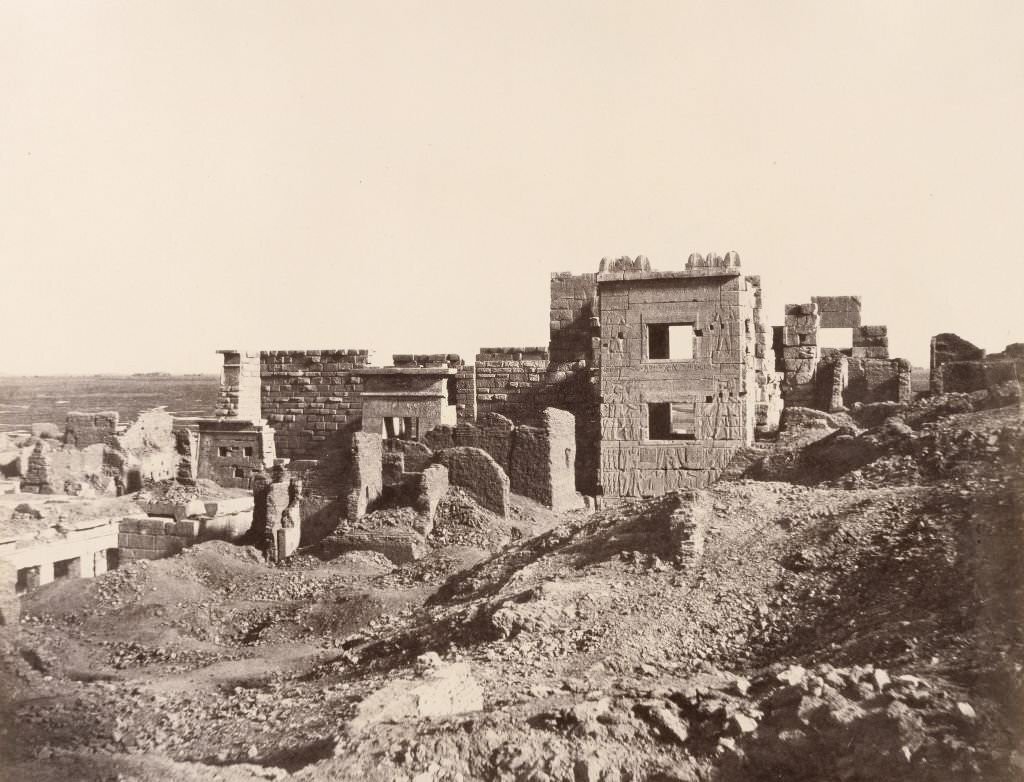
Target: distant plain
column 25, row 400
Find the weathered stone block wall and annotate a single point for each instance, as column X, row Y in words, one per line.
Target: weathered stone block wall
column 154, row 538
column 366, row 472
column 508, row 381
column 59, row 469
column 478, row 473
column 232, row 451
column 84, row 429
column 311, row 398
column 798, row 360
column 573, row 317
column 870, row 342
column 239, row 386
column 837, row 312
column 713, row 392
column 946, row 348
column 465, row 393
column 876, row 380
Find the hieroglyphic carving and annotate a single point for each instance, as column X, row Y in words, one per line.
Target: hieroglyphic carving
column 721, row 338
column 722, row 417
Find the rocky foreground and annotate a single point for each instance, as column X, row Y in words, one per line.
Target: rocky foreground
column 851, row 611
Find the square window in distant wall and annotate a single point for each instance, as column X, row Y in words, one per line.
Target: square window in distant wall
column 224, row 451
column 248, row 451
column 670, row 341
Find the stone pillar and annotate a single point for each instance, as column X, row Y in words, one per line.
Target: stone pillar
column 240, row 386
column 99, row 563
column 45, row 573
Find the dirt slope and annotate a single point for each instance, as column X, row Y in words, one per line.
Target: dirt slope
column 862, row 624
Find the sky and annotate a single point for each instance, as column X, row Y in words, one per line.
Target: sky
column 179, row 177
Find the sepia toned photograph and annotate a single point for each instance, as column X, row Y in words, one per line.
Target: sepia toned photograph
column 564, row 391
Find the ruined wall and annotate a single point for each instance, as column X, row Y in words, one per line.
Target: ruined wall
column 797, row 354
column 367, row 477
column 543, row 459
column 508, row 381
column 239, row 395
column 232, row 451
column 433, row 485
column 475, row 470
column 154, row 538
column 60, row 469
column 84, row 429
column 948, row 348
column 310, row 398
column 573, row 317
column 709, row 397
column 837, row 312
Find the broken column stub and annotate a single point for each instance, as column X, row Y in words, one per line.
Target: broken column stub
column 240, row 386
column 479, row 474
column 367, row 480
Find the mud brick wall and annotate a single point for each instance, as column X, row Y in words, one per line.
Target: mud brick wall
column 311, row 398
column 946, row 348
column 239, row 386
column 366, row 472
column 967, row 376
column 838, row 312
column 573, row 306
column 84, row 429
column 475, row 471
column 433, row 485
column 154, row 538
column 543, row 461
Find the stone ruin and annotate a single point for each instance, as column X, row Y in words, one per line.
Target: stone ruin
column 650, row 383
column 959, row 366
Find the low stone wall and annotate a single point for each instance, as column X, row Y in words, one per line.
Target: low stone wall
column 398, row 545
column 480, row 475
column 155, row 538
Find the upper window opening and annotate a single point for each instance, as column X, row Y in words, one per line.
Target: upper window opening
column 450, row 389
column 671, row 341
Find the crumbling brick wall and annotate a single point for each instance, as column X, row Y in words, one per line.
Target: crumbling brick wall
column 84, row 429
column 311, row 398
column 478, row 473
column 543, row 461
column 232, row 451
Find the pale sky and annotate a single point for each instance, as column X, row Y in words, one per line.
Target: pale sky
column 179, row 177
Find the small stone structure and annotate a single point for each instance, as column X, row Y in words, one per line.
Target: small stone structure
column 959, row 365
column 831, row 378
column 78, row 549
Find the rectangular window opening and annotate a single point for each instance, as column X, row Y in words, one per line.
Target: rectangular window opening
column 450, row 389
column 836, row 339
column 239, row 472
column 224, row 451
column 670, row 341
column 672, row 420
column 248, row 450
